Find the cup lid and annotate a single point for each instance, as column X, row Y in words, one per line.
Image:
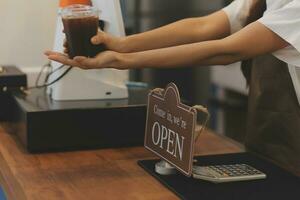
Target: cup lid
column 65, row 3
column 79, row 10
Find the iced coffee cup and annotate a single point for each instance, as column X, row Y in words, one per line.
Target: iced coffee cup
column 81, row 23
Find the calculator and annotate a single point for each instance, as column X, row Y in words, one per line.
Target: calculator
column 227, row 173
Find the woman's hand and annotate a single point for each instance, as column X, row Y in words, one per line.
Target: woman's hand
column 106, row 59
column 109, row 41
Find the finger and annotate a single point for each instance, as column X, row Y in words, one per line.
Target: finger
column 48, row 53
column 63, row 59
column 98, row 39
column 66, row 47
column 66, row 50
column 65, row 43
column 87, row 63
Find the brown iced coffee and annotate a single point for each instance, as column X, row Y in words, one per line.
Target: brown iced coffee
column 80, row 25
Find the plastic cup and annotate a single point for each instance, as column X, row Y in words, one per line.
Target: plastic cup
column 81, row 23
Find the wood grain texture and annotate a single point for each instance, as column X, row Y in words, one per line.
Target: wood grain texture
column 93, row 175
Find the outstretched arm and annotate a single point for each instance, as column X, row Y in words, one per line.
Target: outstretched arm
column 191, row 30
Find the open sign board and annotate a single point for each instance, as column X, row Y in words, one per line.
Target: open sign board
column 170, row 128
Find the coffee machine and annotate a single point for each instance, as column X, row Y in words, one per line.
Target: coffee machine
column 85, row 109
column 95, row 84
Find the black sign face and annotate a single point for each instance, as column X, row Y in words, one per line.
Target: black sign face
column 170, row 129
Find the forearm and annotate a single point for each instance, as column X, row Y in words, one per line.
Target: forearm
column 185, row 31
column 185, row 55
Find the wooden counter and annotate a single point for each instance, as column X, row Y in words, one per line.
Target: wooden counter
column 88, row 175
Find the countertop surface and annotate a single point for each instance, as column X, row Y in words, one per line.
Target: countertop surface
column 94, row 174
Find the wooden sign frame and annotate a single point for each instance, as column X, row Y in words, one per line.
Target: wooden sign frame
column 170, row 128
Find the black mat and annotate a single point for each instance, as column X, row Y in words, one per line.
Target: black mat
column 278, row 185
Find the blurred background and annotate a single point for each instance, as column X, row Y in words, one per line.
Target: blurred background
column 28, row 28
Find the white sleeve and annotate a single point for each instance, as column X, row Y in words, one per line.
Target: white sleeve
column 238, row 12
column 285, row 22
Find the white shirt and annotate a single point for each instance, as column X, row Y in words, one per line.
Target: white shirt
column 283, row 18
